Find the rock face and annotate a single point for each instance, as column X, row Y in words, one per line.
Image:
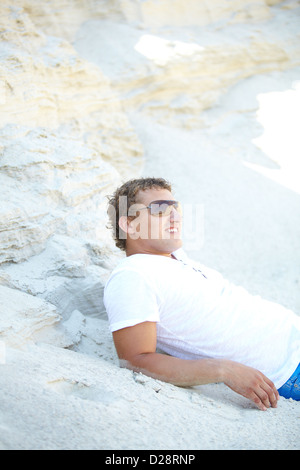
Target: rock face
column 91, row 93
column 65, row 143
column 24, row 317
column 177, row 68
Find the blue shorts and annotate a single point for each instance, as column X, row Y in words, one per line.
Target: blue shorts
column 291, row 388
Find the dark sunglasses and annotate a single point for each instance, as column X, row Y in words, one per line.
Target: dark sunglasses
column 163, row 208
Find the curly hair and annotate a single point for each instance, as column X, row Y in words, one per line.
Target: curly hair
column 124, row 197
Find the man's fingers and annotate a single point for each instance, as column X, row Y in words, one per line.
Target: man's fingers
column 272, row 392
column 273, row 399
column 258, row 402
column 264, row 397
column 268, row 399
column 275, row 391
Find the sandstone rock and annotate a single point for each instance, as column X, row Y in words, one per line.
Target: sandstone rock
column 68, row 274
column 173, row 76
column 54, row 165
column 49, row 181
column 90, row 336
column 155, row 13
column 51, row 87
column 24, row 318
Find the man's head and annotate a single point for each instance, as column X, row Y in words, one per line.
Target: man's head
column 145, row 217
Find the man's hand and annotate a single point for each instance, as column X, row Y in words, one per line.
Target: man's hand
column 251, row 384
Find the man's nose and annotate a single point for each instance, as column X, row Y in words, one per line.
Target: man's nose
column 175, row 215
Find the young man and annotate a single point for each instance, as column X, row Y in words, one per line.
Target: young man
column 210, row 330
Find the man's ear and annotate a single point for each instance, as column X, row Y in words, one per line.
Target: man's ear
column 125, row 224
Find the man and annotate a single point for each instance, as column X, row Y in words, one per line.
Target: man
column 209, row 330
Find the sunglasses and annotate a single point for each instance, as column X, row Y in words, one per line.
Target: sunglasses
column 163, row 208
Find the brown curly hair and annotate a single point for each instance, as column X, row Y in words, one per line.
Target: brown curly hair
column 123, row 198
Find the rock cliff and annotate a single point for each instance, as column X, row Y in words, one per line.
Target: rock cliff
column 65, row 143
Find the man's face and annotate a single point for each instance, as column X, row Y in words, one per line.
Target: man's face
column 156, row 234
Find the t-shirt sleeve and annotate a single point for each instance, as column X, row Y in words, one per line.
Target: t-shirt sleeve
column 130, row 299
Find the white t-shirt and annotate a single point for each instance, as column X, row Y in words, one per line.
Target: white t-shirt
column 199, row 314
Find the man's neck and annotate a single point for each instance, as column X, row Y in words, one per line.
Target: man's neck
column 144, row 252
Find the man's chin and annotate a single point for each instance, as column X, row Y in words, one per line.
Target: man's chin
column 169, row 245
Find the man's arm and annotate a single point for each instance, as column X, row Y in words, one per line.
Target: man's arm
column 136, row 348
